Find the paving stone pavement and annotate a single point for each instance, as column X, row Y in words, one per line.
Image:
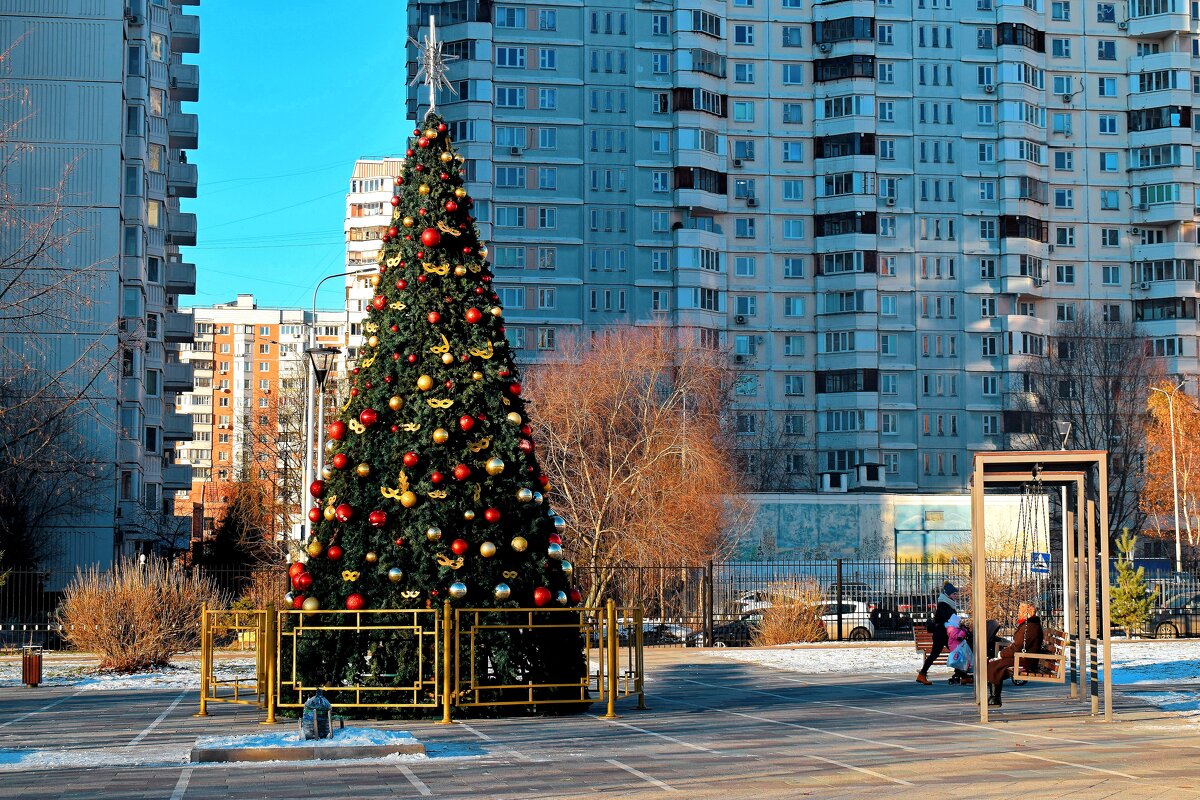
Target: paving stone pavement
column 716, row 729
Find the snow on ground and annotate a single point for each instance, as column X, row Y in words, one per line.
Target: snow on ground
column 88, row 678
column 342, row 737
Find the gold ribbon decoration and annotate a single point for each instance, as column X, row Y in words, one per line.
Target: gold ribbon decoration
column 356, row 426
column 446, row 227
column 444, row 347
column 436, row 403
column 484, row 352
column 445, row 561
column 350, row 575
column 482, row 444
column 346, row 404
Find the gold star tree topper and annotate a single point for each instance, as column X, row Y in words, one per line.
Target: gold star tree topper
column 431, row 67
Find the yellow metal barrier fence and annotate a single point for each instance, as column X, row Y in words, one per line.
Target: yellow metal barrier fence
column 233, row 631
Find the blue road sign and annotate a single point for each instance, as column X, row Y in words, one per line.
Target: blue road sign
column 1039, row 563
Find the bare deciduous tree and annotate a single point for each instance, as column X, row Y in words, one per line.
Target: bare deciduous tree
column 1158, row 492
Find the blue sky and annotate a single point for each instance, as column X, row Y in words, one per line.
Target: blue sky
column 290, row 95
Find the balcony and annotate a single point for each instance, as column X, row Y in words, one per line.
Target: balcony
column 185, row 82
column 177, row 427
column 181, row 229
column 178, row 327
column 181, row 180
column 180, row 277
column 185, row 33
column 1163, row 290
column 177, row 377
column 1157, row 26
column 183, row 131
column 177, row 477
column 129, row 451
column 699, row 198
column 1160, row 213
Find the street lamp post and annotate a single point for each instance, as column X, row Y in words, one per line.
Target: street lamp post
column 321, row 360
column 1174, row 469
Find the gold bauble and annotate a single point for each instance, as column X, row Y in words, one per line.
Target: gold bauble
column 362, row 470
column 315, row 548
column 495, row 311
column 433, row 534
column 447, row 358
column 519, row 544
column 460, row 270
column 311, row 604
column 514, row 418
column 524, row 495
column 408, row 499
column 408, row 222
column 487, row 549
column 468, row 515
column 395, row 574
column 376, row 280
column 494, row 465
column 329, row 513
column 424, row 383
column 457, row 590
column 395, row 402
column 430, row 133
column 483, row 251
column 423, row 188
column 373, row 341
column 460, row 193
column 370, row 557
column 327, row 472
column 476, row 376
column 440, row 435
column 446, row 158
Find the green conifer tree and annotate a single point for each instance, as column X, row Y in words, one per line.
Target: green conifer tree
column 1131, row 600
column 432, row 489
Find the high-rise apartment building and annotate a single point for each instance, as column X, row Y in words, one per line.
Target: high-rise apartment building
column 368, row 216
column 94, row 90
column 249, row 403
column 882, row 208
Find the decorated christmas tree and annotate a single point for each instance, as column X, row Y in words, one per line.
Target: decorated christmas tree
column 432, row 490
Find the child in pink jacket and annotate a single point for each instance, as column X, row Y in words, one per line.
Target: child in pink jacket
column 957, row 632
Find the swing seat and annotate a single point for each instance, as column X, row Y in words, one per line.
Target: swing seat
column 1047, row 667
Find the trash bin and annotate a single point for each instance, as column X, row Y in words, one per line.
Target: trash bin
column 31, row 665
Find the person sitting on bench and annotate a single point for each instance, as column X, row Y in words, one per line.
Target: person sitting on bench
column 1026, row 639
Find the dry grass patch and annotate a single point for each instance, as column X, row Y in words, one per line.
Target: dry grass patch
column 793, row 616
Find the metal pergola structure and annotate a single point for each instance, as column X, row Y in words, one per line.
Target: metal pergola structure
column 1085, row 561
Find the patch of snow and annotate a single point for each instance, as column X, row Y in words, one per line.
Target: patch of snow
column 342, row 737
column 183, row 677
column 20, row 760
column 1185, row 704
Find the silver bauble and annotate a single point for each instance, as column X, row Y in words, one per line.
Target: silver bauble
column 561, row 598
column 554, row 551
column 330, row 445
column 395, row 574
column 501, row 592
column 568, row 568
column 458, row 590
column 560, row 524
column 524, row 495
column 433, row 533
column 537, row 498
column 326, row 472
column 289, row 597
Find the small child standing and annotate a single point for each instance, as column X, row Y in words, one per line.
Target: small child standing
column 958, row 632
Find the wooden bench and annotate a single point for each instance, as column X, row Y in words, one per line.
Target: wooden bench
column 923, row 639
column 1045, row 667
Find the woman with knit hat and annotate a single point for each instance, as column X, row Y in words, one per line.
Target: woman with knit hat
column 1026, row 639
column 946, row 608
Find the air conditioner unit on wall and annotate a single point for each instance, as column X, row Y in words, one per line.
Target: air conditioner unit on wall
column 891, row 201
column 1122, row 25
column 1144, row 286
column 824, row 47
column 514, row 151
column 989, row 88
column 737, row 163
column 740, row 319
column 752, row 202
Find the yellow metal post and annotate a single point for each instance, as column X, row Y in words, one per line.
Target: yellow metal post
column 447, row 663
column 204, row 660
column 612, row 660
column 267, row 645
column 639, row 664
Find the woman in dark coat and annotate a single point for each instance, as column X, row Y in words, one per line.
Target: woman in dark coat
column 946, row 608
column 1026, row 639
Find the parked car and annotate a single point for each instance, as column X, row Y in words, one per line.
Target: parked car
column 1178, row 616
column 852, row 590
column 856, row 620
column 734, row 633
column 750, row 601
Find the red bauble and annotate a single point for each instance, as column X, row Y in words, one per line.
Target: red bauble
column 416, row 131
column 368, row 416
column 449, row 384
column 337, row 430
column 473, row 315
column 344, row 512
column 451, row 206
column 526, row 430
column 422, row 142
column 444, row 176
column 377, row 519
column 298, row 602
column 419, row 168
column 316, row 488
column 314, row 515
column 478, row 290
column 340, row 460
column 395, row 429
column 393, row 231
column 541, row 596
column 393, row 329
column 462, row 472
column 466, row 422
column 459, row 547
column 422, row 279
column 466, row 251
column 395, row 356
column 492, row 515
column 399, row 542
column 434, row 318
column 436, row 477
column 395, row 201
column 504, row 373
column 525, row 445
column 334, row 552
column 379, row 302
column 354, row 602
column 409, row 153
column 295, row 568
column 574, row 596
column 430, row 237
column 303, row 582
column 442, row 127
column 543, row 480
column 422, row 212
column 411, row 459
column 402, row 284
column 412, row 358
column 356, row 370
column 514, row 388
column 354, row 392
column 554, row 538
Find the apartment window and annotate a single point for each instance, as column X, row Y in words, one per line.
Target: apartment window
column 889, row 383
column 548, row 138
column 885, row 33
column 743, row 34
column 510, row 57
column 1108, row 124
column 1064, row 198
column 793, row 268
column 660, row 24
column 793, row 385
column 1064, row 160
column 510, row 216
column 987, row 229
column 137, row 60
column 1060, row 48
column 1110, row 237
column 793, row 345
column 1060, row 11
column 1106, row 87
column 510, row 97
column 744, row 266
column 548, row 19
column 547, row 58
column 547, row 218
column 660, row 260
column 989, row 347
column 793, row 306
column 509, row 17
column 545, row 298
column 987, row 307
column 1065, row 236
column 1111, row 275
column 661, row 63
column 743, row 111
column 1110, row 200
column 887, row 111
column 133, row 120
column 744, row 227
column 545, row 338
column 547, row 177
column 793, row 74
column 548, row 99
column 516, row 337
column 743, row 73
column 1106, row 50
column 660, row 181
column 1065, row 273
column 887, row 344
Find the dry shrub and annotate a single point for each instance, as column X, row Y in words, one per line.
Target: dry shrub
column 794, row 615
column 134, row 617
column 266, row 587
